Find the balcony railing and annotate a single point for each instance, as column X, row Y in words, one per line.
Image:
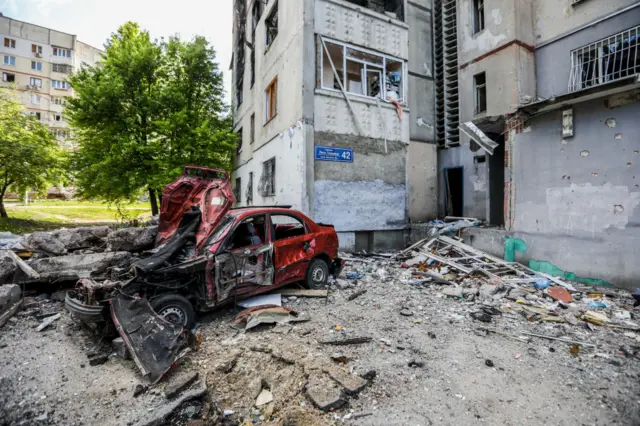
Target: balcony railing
column 606, row 60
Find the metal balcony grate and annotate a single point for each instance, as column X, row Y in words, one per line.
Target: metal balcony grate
column 606, row 60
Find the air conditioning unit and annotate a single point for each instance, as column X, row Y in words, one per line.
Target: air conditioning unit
column 38, row 55
column 32, row 87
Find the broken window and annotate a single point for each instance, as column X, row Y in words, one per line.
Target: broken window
column 252, row 131
column 9, row 42
column 609, row 59
column 478, row 16
column 57, row 117
column 256, row 13
column 366, row 73
column 35, row 114
column 271, row 24
column 8, row 77
column 480, row 84
column 249, row 192
column 237, row 190
column 267, row 186
column 286, row 226
column 271, row 100
column 250, row 232
column 391, row 8
column 239, row 50
column 239, row 142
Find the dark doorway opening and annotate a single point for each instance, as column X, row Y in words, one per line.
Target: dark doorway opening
column 496, row 183
column 454, row 186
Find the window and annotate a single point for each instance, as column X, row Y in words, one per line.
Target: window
column 256, row 13
column 35, row 82
column 271, row 24
column 61, row 68
column 9, row 60
column 35, row 114
column 9, row 42
column 36, row 66
column 287, row 226
column 58, row 51
column 250, row 232
column 249, row 192
column 35, row 99
column 37, row 49
column 237, row 190
column 480, row 84
column 606, row 60
column 391, row 8
column 57, row 100
column 8, row 77
column 239, row 142
column 478, row 16
column 57, row 117
column 271, row 101
column 365, row 73
column 62, row 85
column 252, row 131
column 60, row 133
column 267, row 185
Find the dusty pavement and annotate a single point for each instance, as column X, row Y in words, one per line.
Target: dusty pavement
column 433, row 364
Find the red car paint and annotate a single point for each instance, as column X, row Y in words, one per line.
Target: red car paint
column 207, row 189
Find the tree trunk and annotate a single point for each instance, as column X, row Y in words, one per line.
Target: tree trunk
column 154, row 201
column 3, row 211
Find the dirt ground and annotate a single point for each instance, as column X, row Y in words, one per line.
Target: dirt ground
column 434, row 365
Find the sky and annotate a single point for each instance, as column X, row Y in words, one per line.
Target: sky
column 92, row 21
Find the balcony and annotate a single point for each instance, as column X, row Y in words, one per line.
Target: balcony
column 607, row 60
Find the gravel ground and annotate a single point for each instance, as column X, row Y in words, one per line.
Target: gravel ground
column 459, row 374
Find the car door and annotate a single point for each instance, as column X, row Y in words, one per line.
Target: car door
column 244, row 263
column 293, row 247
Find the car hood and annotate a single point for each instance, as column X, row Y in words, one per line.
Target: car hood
column 207, row 190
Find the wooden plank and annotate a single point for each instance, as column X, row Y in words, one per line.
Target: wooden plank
column 46, row 323
column 301, row 292
column 23, row 265
column 10, row 312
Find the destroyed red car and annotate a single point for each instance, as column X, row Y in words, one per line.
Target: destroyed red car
column 208, row 254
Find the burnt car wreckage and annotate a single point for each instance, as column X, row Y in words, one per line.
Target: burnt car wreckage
column 207, row 255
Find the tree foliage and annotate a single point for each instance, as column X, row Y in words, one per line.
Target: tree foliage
column 30, row 158
column 149, row 108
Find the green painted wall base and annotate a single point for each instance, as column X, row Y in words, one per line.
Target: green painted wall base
column 554, row 271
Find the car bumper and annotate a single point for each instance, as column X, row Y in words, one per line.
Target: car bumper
column 336, row 267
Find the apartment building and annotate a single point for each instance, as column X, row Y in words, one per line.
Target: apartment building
column 35, row 62
column 333, row 104
column 538, row 132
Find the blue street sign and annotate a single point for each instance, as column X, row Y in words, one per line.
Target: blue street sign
column 328, row 153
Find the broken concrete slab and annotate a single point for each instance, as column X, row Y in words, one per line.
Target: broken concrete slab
column 9, row 294
column 79, row 265
column 9, row 312
column 324, row 394
column 59, row 242
column 132, row 239
column 179, row 383
column 452, row 291
column 160, row 415
column 8, row 266
column 351, row 384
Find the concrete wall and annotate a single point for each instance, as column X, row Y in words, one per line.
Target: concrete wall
column 422, row 181
column 554, row 18
column 475, row 185
column 577, row 200
column 553, row 60
column 286, row 131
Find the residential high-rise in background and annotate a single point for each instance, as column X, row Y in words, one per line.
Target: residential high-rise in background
column 35, row 62
column 333, row 104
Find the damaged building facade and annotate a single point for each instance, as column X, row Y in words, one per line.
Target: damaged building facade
column 333, row 105
column 537, row 106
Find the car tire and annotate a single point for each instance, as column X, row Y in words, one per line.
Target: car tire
column 317, row 274
column 175, row 308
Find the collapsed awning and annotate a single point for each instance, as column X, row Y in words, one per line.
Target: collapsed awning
column 478, row 136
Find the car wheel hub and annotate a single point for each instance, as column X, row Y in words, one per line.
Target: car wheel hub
column 174, row 315
column 318, row 275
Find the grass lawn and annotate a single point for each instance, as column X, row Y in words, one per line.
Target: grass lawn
column 51, row 214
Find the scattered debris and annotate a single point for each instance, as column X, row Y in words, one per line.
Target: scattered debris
column 98, row 360
column 160, row 414
column 179, row 383
column 47, row 322
column 488, row 363
column 303, row 292
column 264, row 397
column 351, row 384
column 266, row 314
column 350, row 341
column 263, row 299
column 416, row 363
column 356, row 294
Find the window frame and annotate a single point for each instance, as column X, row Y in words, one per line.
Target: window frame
column 252, row 133
column 33, row 80
column 274, row 10
column 239, row 132
column 272, row 193
column 66, row 52
column 476, row 91
column 62, row 86
column 36, row 68
column 36, row 48
column 272, row 225
column 479, row 17
column 385, row 59
column 10, row 42
column 237, row 190
column 9, row 60
column 34, row 99
column 5, row 76
column 271, row 101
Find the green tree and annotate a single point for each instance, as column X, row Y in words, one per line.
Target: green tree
column 149, row 108
column 30, row 157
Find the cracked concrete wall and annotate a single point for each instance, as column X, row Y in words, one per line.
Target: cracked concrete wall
column 578, row 198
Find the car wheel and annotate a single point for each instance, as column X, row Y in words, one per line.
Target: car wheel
column 176, row 309
column 317, row 274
